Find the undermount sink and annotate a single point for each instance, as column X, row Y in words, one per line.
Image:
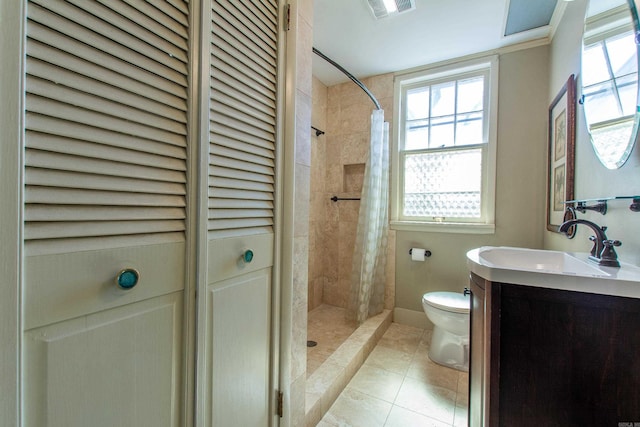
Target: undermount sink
column 538, row 260
column 553, row 269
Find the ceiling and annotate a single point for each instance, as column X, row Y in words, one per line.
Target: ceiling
column 437, row 30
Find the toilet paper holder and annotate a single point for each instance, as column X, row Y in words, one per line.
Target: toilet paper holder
column 427, row 253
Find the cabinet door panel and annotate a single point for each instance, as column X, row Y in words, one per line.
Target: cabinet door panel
column 240, row 342
column 65, row 286
column 114, row 368
column 568, row 358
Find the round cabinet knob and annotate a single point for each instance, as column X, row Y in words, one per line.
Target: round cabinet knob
column 128, row 278
column 247, row 256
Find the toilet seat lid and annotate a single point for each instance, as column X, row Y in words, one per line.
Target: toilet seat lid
column 448, row 301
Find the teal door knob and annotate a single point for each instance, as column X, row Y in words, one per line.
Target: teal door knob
column 247, row 256
column 128, row 278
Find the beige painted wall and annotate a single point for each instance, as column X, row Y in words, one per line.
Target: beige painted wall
column 520, row 186
column 592, row 179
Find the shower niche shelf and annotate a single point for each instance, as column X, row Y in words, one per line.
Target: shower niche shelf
column 352, row 178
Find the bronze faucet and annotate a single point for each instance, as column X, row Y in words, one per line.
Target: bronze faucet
column 603, row 251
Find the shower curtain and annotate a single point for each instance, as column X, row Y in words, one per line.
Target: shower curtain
column 370, row 255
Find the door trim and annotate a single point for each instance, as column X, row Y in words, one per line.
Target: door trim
column 194, row 226
column 278, row 309
column 11, row 164
column 201, row 190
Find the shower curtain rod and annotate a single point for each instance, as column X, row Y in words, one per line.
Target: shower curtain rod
column 351, row 77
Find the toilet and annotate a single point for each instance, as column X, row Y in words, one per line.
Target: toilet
column 449, row 313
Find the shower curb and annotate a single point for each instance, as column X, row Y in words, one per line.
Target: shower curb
column 327, row 382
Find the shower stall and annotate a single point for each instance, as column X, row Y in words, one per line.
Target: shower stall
column 338, row 162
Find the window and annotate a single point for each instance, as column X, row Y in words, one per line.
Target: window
column 609, row 76
column 444, row 170
column 610, row 84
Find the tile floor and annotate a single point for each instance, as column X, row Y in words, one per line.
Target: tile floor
column 399, row 386
column 327, row 326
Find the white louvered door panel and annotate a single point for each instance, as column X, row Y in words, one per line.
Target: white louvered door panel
column 242, row 119
column 243, row 125
column 105, row 189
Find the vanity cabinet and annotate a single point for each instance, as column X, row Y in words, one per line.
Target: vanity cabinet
column 479, row 352
column 549, row 357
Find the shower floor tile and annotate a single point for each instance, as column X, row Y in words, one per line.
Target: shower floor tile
column 327, row 326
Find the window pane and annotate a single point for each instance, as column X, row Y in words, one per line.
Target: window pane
column 622, row 54
column 470, row 94
column 417, row 135
column 443, row 99
column 418, row 103
column 469, row 129
column 594, row 68
column 600, row 103
column 628, row 92
column 443, row 184
column 442, row 132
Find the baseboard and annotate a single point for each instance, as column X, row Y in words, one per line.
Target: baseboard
column 417, row 319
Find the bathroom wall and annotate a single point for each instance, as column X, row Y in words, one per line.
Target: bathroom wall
column 592, row 180
column 520, row 189
column 337, row 169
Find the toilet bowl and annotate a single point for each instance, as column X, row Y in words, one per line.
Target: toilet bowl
column 449, row 313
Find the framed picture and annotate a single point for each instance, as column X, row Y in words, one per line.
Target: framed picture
column 561, row 154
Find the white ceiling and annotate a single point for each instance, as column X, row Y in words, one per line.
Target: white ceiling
column 437, row 30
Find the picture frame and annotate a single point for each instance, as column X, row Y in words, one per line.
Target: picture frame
column 561, row 153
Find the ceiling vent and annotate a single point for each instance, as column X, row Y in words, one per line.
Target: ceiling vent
column 384, row 8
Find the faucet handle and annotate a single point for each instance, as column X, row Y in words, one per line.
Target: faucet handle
column 595, row 245
column 609, row 257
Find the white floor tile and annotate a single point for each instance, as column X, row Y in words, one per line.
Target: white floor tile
column 432, row 401
column 398, row 386
column 355, row 409
column 400, row 417
column 377, row 382
column 390, row 359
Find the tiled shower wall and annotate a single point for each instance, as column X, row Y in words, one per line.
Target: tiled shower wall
column 318, row 204
column 294, row 348
column 338, row 158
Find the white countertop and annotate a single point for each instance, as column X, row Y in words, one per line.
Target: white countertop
column 532, row 267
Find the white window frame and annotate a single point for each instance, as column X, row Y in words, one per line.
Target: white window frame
column 486, row 223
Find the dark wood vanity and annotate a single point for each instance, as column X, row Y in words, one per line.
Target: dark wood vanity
column 549, row 357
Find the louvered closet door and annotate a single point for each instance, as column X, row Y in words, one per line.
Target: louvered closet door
column 243, row 100
column 105, row 190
